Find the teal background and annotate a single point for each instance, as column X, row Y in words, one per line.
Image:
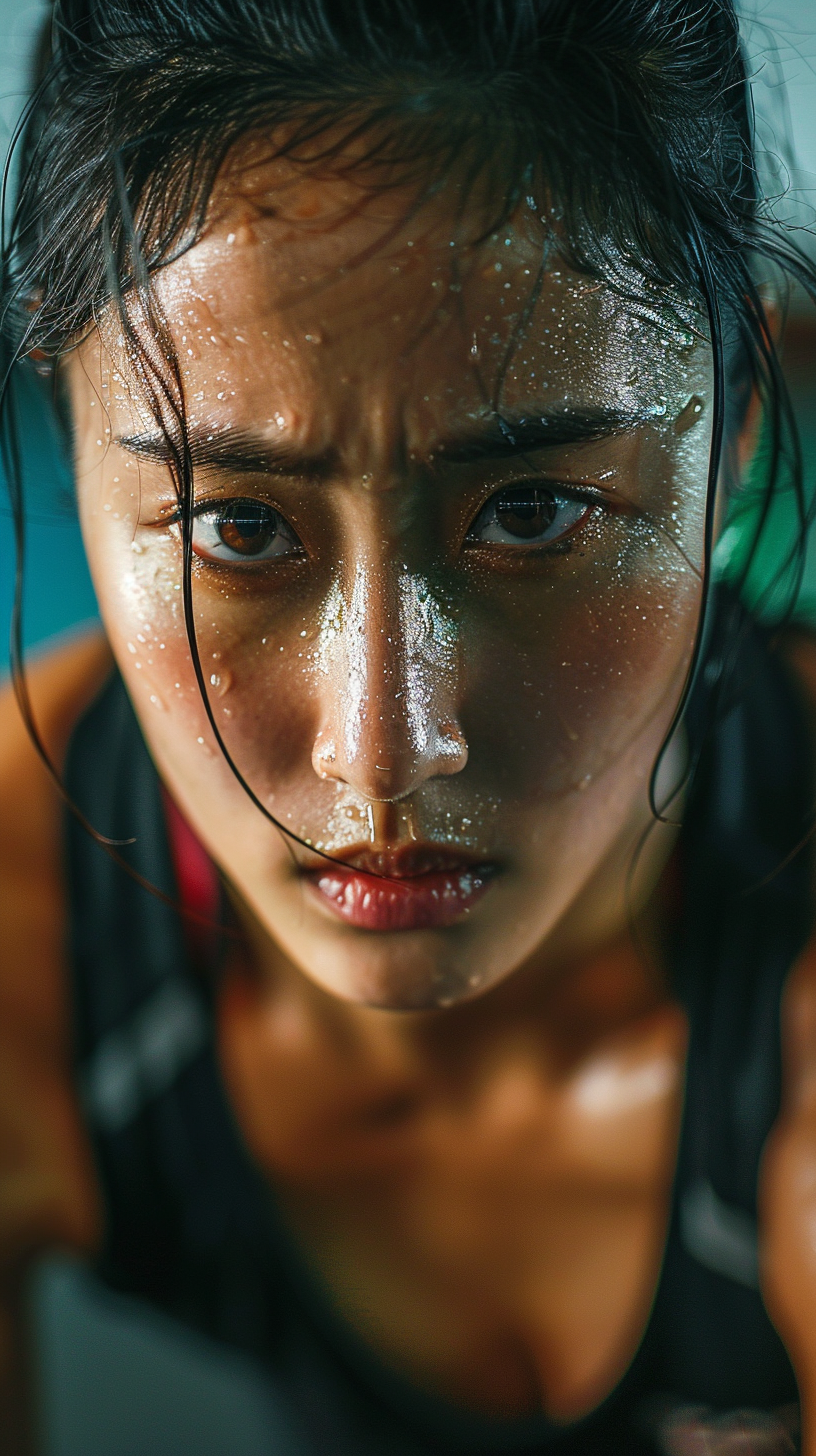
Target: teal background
column 773, row 567
column 58, row 592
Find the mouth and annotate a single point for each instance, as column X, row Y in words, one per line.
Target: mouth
column 419, row 887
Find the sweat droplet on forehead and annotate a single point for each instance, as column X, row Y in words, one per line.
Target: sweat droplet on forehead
column 436, row 326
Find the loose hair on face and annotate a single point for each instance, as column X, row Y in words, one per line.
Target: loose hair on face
column 627, row 123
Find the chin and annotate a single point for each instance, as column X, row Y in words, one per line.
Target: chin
column 401, row 976
column 393, row 994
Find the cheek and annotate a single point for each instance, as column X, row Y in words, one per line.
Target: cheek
column 560, row 672
column 139, row 591
column 258, row 673
column 572, row 668
column 564, row 676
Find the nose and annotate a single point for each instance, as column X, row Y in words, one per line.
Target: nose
column 388, row 661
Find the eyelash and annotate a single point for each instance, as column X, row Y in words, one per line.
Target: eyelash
column 266, row 520
column 521, row 517
column 528, row 504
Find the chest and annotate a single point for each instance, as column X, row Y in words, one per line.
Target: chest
column 493, row 1229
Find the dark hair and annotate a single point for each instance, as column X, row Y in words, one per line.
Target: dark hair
column 628, row 122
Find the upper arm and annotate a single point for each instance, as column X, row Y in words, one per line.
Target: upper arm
column 788, row 1173
column 47, row 1193
column 787, row 1193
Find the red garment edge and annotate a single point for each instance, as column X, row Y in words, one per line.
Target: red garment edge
column 199, row 889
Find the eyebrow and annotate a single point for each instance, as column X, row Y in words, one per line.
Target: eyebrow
column 501, row 436
column 243, row 452
column 496, row 437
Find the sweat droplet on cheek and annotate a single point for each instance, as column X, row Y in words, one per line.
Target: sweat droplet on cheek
column 551, row 672
column 221, row 681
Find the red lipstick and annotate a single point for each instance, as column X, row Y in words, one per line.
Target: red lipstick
column 420, row 888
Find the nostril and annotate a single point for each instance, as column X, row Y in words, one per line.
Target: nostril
column 452, row 748
column 324, row 757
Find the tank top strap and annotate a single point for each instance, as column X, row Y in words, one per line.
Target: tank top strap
column 190, row 1223
column 747, row 912
column 184, row 1205
column 747, row 898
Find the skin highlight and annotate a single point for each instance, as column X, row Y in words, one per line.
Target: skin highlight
column 394, row 680
column 482, row 1183
column 407, row 679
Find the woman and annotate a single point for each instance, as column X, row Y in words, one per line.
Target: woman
column 369, row 1009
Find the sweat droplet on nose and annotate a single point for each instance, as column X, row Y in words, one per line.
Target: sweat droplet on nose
column 325, row 756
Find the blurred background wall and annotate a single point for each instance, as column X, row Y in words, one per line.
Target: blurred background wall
column 58, row 588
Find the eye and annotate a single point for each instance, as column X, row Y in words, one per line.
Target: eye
column 528, row 514
column 243, row 531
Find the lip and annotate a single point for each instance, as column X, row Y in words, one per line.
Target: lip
column 417, row 887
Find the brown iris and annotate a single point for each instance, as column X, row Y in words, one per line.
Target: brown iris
column 525, row 511
column 248, row 527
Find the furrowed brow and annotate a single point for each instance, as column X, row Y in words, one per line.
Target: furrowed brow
column 241, row 452
column 503, row 436
column 245, row 452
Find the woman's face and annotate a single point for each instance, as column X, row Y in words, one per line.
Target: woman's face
column 446, row 575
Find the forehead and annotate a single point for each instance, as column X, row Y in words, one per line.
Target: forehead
column 314, row 282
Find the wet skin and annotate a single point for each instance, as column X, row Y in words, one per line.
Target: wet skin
column 425, row 677
column 398, row 670
column 483, row 1187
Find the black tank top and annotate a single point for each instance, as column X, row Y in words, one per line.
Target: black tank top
column 192, row 1227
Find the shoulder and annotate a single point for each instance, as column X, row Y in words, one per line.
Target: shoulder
column 44, row 1178
column 60, row 684
column 787, row 1190
column 797, row 648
